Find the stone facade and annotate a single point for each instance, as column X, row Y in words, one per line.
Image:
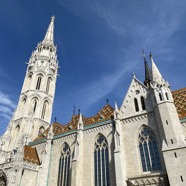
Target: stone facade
column 140, row 143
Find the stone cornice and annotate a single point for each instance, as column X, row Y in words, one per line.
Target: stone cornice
column 148, row 179
column 136, row 117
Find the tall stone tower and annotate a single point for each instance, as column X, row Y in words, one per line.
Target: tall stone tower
column 170, row 129
column 33, row 113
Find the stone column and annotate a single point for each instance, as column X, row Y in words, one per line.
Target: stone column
column 119, row 156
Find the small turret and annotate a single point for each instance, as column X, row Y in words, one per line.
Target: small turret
column 80, row 123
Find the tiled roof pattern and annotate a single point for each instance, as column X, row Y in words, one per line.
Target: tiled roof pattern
column 180, row 102
column 30, row 154
column 106, row 113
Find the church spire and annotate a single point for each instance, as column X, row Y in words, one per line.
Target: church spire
column 148, row 73
column 49, row 37
column 156, row 75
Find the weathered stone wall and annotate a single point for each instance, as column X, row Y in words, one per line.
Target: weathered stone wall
column 29, row 178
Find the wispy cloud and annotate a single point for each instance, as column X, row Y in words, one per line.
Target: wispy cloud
column 92, row 92
column 7, row 107
column 5, row 100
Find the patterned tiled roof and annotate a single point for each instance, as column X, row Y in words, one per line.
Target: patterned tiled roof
column 30, row 154
column 106, row 113
column 180, row 102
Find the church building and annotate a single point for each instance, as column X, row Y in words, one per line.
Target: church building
column 142, row 143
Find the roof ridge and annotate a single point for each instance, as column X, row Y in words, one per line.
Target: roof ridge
column 179, row 90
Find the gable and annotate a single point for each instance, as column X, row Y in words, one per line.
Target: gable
column 137, row 95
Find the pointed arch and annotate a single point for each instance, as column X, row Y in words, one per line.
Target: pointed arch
column 3, row 178
column 136, row 104
column 41, row 130
column 24, row 99
column 38, row 84
column 143, row 103
column 101, row 161
column 166, row 94
column 16, row 131
column 149, row 153
column 34, row 104
column 160, row 96
column 45, row 107
column 64, row 166
column 48, row 84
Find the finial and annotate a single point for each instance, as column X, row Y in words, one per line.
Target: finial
column 80, row 122
column 49, row 36
column 52, row 18
column 143, row 53
column 107, row 101
column 116, row 106
column 133, row 74
column 55, row 119
column 78, row 111
column 150, row 55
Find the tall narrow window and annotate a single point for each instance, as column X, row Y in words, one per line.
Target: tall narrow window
column 101, row 162
column 41, row 130
column 29, row 81
column 17, row 129
column 38, row 85
column 34, row 105
column 166, row 94
column 64, row 166
column 143, row 103
column 160, row 96
column 150, row 158
column 136, row 105
column 44, row 109
column 48, row 85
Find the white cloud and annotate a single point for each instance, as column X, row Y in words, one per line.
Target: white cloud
column 7, row 107
column 5, row 110
column 155, row 35
column 5, row 100
column 6, row 116
column 90, row 93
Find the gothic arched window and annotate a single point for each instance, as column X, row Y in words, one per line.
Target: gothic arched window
column 28, row 82
column 149, row 153
column 17, row 129
column 64, row 166
column 34, row 105
column 166, row 94
column 41, row 130
column 38, row 85
column 143, row 103
column 44, row 109
column 136, row 105
column 101, row 162
column 160, row 96
column 48, row 84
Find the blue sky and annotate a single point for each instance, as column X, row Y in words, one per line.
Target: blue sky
column 99, row 47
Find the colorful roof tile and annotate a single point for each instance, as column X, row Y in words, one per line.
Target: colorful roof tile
column 180, row 102
column 106, row 113
column 30, row 154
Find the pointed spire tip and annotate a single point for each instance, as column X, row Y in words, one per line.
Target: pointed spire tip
column 52, row 18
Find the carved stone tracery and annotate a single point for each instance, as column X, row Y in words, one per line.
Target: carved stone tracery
column 3, row 179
